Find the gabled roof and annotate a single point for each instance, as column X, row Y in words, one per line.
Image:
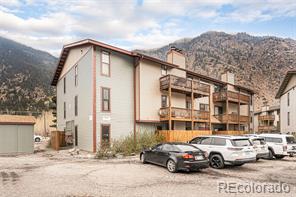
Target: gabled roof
column 16, row 120
column 285, row 83
column 66, row 49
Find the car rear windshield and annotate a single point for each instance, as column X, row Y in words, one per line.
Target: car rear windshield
column 186, row 148
column 240, row 142
column 258, row 141
column 291, row 140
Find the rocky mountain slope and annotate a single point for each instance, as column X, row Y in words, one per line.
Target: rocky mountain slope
column 25, row 76
column 259, row 63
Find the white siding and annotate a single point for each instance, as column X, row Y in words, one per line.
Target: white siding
column 121, row 84
column 285, row 128
column 84, row 92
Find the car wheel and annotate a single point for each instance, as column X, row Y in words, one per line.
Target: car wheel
column 216, row 161
column 37, row 139
column 171, row 166
column 142, row 157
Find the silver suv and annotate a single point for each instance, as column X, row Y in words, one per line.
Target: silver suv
column 226, row 150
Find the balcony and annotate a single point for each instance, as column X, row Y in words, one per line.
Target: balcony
column 269, row 129
column 231, row 96
column 183, row 114
column 232, row 118
column 266, row 117
column 183, row 85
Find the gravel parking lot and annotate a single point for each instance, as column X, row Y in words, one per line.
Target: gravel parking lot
column 59, row 174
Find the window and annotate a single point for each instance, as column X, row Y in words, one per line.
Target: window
column 164, row 101
column 64, row 85
column 105, row 99
column 158, row 147
column 76, row 105
column 188, row 103
column 273, row 140
column 241, row 142
column 291, row 140
column 64, row 110
column 196, row 140
column 218, row 110
column 219, row 141
column 76, row 75
column 105, row 135
column 164, row 70
column 288, row 118
column 203, row 107
column 206, row 141
column 105, row 65
column 288, row 98
column 168, row 148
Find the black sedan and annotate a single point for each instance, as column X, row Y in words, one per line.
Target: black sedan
column 175, row 156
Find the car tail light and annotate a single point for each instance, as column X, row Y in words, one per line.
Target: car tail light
column 187, row 156
column 285, row 147
column 234, row 148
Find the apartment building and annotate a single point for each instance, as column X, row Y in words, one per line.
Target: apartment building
column 287, row 96
column 267, row 120
column 104, row 93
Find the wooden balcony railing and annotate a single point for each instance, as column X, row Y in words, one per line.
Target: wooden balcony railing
column 266, row 117
column 184, row 114
column 232, row 118
column 183, row 85
column 267, row 128
column 232, row 96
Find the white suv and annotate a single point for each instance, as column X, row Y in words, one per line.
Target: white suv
column 280, row 145
column 259, row 146
column 226, row 150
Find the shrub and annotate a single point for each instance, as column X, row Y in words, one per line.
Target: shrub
column 127, row 146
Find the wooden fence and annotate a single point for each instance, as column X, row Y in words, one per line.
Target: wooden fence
column 229, row 132
column 182, row 135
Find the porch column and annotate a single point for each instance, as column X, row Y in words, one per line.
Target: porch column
column 192, row 106
column 227, row 115
column 210, row 111
column 239, row 110
column 170, row 105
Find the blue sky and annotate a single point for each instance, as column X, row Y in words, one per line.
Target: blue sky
column 141, row 24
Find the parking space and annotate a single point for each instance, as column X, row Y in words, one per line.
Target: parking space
column 59, row 174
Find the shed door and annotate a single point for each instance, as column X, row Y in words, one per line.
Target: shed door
column 16, row 139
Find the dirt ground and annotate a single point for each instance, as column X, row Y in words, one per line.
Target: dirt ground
column 53, row 173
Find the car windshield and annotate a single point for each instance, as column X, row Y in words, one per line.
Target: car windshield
column 258, row 141
column 240, row 142
column 291, row 140
column 185, row 148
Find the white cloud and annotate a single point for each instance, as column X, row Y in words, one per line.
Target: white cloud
column 151, row 24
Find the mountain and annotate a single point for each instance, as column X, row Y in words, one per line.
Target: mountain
column 259, row 63
column 25, row 76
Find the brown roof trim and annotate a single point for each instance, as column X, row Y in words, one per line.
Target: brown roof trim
column 67, row 48
column 205, row 78
column 17, row 120
column 284, row 83
column 153, row 59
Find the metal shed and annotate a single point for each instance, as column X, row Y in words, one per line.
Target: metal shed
column 16, row 134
